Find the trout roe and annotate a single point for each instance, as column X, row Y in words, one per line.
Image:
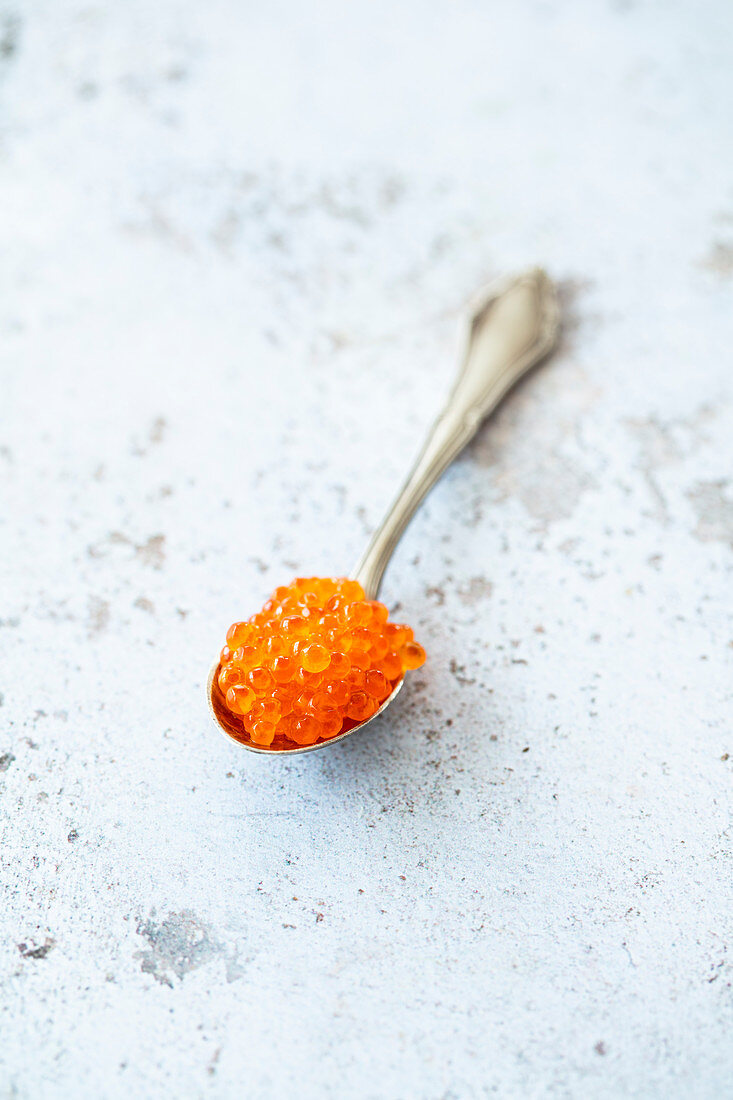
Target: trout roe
column 317, row 659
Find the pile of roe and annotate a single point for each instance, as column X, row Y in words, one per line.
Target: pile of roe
column 316, row 659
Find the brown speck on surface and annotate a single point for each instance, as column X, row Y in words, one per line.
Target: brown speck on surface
column 6, row 760
column 157, row 430
column 151, row 552
column 459, row 671
column 714, row 509
column 211, row 1068
column 98, row 615
column 474, row 590
column 154, row 437
column 719, row 259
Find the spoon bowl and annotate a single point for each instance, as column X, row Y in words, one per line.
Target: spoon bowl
column 509, row 328
column 229, row 726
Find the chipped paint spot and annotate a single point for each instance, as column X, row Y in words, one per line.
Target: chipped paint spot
column 545, row 467
column 662, row 444
column 9, row 35
column 556, row 495
column 151, row 552
column 41, row 952
column 179, row 944
column 531, row 446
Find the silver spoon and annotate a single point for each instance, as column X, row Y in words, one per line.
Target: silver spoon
column 509, row 327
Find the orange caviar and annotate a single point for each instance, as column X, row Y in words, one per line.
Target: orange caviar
column 318, row 659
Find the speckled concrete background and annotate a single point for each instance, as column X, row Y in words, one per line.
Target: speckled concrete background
column 235, row 243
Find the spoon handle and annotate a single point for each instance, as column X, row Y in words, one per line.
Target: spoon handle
column 509, row 328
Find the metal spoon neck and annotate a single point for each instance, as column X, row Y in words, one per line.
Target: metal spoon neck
column 510, row 327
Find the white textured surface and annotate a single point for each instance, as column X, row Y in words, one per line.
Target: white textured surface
column 235, row 241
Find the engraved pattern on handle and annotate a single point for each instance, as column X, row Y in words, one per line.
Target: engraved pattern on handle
column 510, row 327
